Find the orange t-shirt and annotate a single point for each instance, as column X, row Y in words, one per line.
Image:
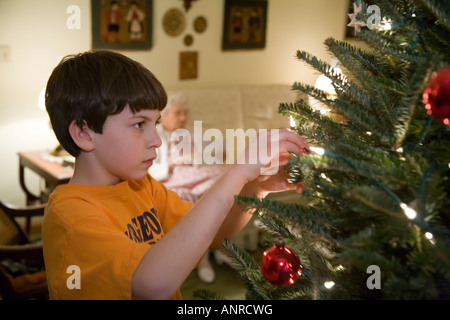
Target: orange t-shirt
column 105, row 232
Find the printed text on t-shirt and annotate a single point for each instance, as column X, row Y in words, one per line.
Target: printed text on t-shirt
column 145, row 228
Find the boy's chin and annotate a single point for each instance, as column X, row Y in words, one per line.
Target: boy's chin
column 138, row 176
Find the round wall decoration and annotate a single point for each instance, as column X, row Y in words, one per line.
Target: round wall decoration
column 188, row 40
column 200, row 24
column 174, row 22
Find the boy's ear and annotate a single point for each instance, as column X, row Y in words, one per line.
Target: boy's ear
column 81, row 136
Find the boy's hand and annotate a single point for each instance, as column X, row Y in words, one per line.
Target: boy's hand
column 264, row 156
column 277, row 182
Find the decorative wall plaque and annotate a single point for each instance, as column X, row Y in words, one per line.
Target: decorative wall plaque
column 200, row 24
column 174, row 22
column 188, row 40
column 188, row 65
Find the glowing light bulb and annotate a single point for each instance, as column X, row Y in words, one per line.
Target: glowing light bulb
column 430, row 237
column 329, row 284
column 292, row 122
column 339, row 268
column 386, row 24
column 410, row 213
column 324, row 176
column 319, row 151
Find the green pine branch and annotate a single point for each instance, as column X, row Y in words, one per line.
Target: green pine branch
column 239, row 255
column 440, row 10
column 207, row 295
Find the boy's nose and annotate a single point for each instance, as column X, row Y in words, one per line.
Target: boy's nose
column 159, row 141
column 154, row 141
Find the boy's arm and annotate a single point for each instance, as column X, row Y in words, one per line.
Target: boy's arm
column 238, row 217
column 168, row 263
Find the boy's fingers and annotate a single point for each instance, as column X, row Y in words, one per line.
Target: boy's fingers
column 284, row 158
column 300, row 187
column 286, row 134
column 288, row 146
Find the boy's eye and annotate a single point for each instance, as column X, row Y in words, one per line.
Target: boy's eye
column 139, row 125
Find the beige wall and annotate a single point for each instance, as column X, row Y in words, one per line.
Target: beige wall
column 37, row 37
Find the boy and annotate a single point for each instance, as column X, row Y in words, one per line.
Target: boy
column 124, row 232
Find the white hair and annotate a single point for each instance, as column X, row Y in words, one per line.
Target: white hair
column 176, row 98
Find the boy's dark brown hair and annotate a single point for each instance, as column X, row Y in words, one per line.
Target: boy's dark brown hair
column 90, row 86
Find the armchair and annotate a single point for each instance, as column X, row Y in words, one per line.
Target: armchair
column 22, row 274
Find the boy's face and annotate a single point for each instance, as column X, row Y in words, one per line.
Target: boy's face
column 127, row 146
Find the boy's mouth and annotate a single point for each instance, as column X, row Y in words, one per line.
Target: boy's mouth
column 149, row 161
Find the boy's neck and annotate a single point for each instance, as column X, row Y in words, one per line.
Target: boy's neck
column 87, row 172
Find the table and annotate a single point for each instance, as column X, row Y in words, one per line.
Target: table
column 54, row 173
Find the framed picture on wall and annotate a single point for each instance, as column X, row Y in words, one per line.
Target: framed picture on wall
column 122, row 24
column 245, row 24
column 188, row 65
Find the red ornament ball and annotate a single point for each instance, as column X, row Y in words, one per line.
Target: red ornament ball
column 280, row 265
column 436, row 96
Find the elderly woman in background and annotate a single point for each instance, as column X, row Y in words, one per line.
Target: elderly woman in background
column 189, row 181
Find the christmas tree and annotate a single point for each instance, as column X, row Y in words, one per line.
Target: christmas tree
column 373, row 220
